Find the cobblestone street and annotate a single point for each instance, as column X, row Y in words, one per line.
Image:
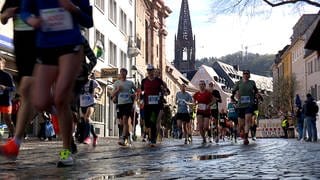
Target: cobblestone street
column 263, row 159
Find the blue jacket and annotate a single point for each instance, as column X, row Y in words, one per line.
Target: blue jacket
column 48, row 37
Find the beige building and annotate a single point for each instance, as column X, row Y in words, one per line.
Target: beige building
column 150, row 35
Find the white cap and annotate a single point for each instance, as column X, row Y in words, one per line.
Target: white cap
column 150, row 67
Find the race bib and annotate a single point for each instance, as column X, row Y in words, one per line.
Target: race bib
column 202, row 107
column 86, row 97
column 123, row 96
column 232, row 110
column 153, row 99
column 20, row 25
column 56, row 19
column 245, row 99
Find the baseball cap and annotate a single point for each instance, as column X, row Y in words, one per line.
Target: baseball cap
column 150, row 67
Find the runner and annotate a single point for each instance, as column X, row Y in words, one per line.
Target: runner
column 214, row 123
column 183, row 100
column 257, row 99
column 152, row 88
column 6, row 88
column 89, row 93
column 24, row 40
column 204, row 100
column 246, row 91
column 233, row 116
column 59, row 43
column 124, row 90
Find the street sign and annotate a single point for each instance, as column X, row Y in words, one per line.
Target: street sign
column 109, row 72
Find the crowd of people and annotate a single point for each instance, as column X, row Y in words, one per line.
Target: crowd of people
column 306, row 115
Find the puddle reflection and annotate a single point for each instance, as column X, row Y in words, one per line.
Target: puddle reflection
column 212, row 156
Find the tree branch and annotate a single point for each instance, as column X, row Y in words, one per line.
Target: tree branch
column 313, row 3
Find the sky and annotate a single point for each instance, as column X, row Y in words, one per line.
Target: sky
column 227, row 34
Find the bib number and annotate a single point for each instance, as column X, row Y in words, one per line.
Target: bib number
column 245, row 99
column 56, row 19
column 86, row 97
column 202, row 107
column 153, row 99
column 124, row 96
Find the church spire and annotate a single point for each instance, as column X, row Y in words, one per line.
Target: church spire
column 185, row 43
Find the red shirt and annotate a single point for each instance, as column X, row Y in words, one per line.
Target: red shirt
column 152, row 90
column 203, row 99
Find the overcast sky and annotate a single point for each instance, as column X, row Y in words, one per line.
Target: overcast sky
column 226, row 34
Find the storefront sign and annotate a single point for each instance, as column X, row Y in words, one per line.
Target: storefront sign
column 109, row 72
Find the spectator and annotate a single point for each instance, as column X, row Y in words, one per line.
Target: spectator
column 310, row 110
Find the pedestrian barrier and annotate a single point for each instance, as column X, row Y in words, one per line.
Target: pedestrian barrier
column 269, row 128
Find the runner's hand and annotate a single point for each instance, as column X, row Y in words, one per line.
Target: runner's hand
column 34, row 22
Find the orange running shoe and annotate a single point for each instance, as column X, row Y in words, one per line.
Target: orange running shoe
column 10, row 149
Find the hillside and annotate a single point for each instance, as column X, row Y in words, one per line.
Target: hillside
column 256, row 63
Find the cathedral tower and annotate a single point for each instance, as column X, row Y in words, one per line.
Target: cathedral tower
column 185, row 43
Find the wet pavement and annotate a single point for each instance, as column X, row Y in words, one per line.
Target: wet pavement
column 262, row 159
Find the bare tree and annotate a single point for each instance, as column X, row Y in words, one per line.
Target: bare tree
column 283, row 94
column 254, row 6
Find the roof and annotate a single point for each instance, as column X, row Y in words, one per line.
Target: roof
column 262, row 82
column 313, row 42
column 180, row 77
column 233, row 73
column 208, row 73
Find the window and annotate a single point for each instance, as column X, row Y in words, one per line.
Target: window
column 123, row 22
column 113, row 11
column 310, row 68
column 123, row 59
column 99, row 40
column 138, row 43
column 112, row 53
column 99, row 4
column 317, row 64
column 130, row 28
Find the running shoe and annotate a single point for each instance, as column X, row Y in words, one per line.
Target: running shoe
column 95, row 141
column 122, row 141
column 73, row 148
column 152, row 144
column 87, row 140
column 10, row 149
column 65, row 158
column 246, row 141
column 210, row 140
column 190, row 139
column 186, row 141
column 254, row 138
column 204, row 141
